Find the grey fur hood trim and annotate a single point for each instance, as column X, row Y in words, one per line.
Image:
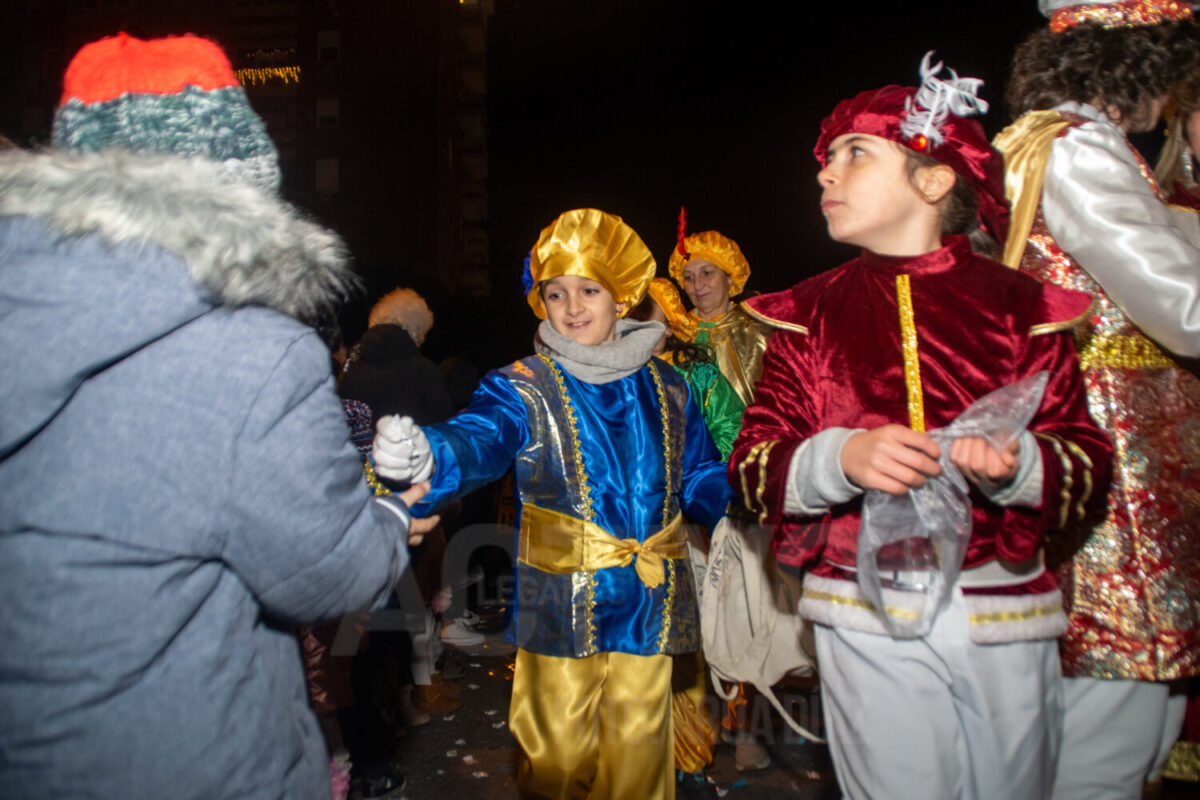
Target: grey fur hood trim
column 242, row 245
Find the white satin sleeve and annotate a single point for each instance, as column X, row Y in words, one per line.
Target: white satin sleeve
column 1188, row 222
column 1102, row 211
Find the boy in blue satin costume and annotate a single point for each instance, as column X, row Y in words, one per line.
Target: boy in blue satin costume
column 610, row 451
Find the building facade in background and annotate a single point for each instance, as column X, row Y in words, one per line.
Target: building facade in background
column 379, row 111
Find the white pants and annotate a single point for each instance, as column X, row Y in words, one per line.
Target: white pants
column 426, row 647
column 940, row 716
column 1116, row 737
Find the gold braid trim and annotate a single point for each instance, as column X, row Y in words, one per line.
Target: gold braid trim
column 750, row 457
column 912, row 364
column 902, row 613
column 584, row 489
column 668, row 603
column 1077, row 451
column 1016, row 616
column 591, row 611
column 858, row 602
column 762, row 479
column 1068, row 474
column 666, row 428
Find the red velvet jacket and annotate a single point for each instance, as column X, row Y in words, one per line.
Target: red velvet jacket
column 837, row 359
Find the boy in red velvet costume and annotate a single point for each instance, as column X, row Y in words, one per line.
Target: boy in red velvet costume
column 867, row 357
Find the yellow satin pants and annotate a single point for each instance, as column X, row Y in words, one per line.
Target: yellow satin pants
column 596, row 727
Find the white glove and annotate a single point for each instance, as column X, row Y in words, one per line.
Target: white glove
column 401, row 451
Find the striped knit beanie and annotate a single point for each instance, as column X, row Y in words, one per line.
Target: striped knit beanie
column 175, row 96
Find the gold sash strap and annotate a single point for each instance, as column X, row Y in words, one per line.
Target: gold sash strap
column 1026, row 147
column 1123, row 352
column 560, row 543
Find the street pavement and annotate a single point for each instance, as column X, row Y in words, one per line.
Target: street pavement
column 470, row 753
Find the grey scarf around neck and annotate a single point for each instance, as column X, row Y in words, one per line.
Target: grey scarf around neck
column 604, row 362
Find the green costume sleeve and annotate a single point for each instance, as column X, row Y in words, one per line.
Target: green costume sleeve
column 723, row 414
column 718, row 401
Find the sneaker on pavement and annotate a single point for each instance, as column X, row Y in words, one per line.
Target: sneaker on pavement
column 386, row 786
column 458, row 634
column 749, row 754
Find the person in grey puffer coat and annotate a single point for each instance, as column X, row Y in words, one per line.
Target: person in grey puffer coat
column 176, row 483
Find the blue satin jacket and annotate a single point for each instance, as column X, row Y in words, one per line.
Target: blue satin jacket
column 597, row 452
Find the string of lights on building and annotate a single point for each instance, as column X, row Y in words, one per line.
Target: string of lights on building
column 252, row 76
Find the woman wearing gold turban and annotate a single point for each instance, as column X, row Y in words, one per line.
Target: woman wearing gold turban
column 710, row 268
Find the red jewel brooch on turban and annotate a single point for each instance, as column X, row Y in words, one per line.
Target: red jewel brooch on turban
column 936, row 99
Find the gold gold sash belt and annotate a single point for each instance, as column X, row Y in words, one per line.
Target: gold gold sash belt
column 559, row 543
column 1123, row 352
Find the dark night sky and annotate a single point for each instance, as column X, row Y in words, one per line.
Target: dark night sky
column 638, row 107
column 635, row 107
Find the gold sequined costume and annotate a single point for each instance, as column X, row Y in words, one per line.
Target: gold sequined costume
column 738, row 342
column 1132, row 584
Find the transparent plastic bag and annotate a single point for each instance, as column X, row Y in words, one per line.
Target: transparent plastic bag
column 915, row 542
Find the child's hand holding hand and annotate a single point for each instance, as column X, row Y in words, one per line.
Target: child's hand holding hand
column 891, row 458
column 981, row 463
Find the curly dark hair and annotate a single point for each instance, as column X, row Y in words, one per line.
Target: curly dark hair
column 1121, row 68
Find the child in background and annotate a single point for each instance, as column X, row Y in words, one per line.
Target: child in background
column 610, row 452
column 865, row 359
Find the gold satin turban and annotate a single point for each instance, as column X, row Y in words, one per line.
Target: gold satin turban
column 720, row 250
column 591, row 244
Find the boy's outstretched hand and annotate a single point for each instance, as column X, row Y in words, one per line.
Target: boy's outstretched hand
column 891, row 458
column 981, row 463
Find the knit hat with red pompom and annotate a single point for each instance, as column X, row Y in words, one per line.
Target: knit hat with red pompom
column 176, row 96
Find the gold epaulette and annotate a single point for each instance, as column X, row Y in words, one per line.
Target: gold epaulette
column 1026, row 146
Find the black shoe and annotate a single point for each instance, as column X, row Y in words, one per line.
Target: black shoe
column 694, row 786
column 382, row 787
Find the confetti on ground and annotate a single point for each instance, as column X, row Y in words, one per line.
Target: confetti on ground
column 476, row 664
column 441, row 772
column 499, row 724
column 460, row 741
column 451, row 753
column 448, row 718
column 472, row 686
column 480, row 774
column 468, row 760
column 812, row 774
column 742, row 784
column 722, row 792
column 490, row 712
